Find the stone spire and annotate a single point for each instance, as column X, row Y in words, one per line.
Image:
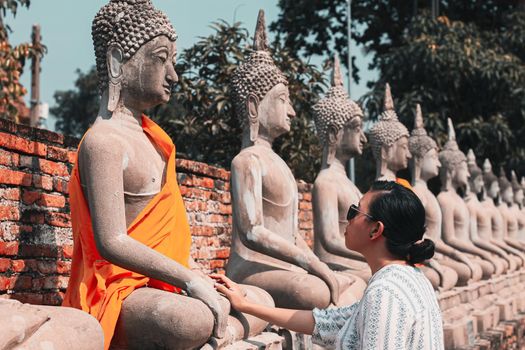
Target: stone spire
column 473, row 167
column 337, row 77
column 451, row 155
column 389, row 102
column 471, row 158
column 514, row 181
column 451, row 131
column 260, row 39
column 487, row 166
column 419, row 142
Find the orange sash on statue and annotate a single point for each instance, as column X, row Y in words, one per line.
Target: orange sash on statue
column 404, row 183
column 99, row 287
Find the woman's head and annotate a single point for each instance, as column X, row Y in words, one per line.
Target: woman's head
column 394, row 217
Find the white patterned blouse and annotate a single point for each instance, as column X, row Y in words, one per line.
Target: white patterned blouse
column 399, row 310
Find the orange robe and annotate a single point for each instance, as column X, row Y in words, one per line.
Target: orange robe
column 99, row 287
column 404, row 183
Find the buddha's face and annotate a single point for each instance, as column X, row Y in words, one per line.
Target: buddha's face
column 477, row 183
column 149, row 75
column 518, row 197
column 493, row 190
column 275, row 112
column 461, row 174
column 399, row 155
column 430, row 165
column 353, row 138
column 508, row 195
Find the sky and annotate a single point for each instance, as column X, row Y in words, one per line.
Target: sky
column 66, row 31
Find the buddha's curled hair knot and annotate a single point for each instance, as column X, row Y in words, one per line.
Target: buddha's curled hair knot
column 128, row 24
column 388, row 129
column 451, row 156
column 419, row 142
column 336, row 109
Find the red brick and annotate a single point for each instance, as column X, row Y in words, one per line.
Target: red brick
column 10, row 177
column 38, row 283
column 53, row 299
column 23, row 265
column 8, row 212
column 33, row 217
column 67, row 251
column 63, row 267
column 53, row 168
column 217, row 264
column 38, row 250
column 72, row 157
column 51, row 200
column 61, row 185
column 5, row 282
column 30, row 298
column 56, row 282
column 206, row 183
column 202, row 231
column 223, row 253
column 307, row 196
column 22, row 282
column 225, row 209
column 15, row 159
column 43, row 182
column 9, row 231
column 4, row 264
column 30, row 197
column 46, row 267
column 23, row 145
column 58, row 219
column 11, row 194
column 5, row 158
column 56, row 153
column 305, row 205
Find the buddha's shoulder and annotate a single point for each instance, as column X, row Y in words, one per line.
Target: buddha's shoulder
column 248, row 156
column 326, row 179
column 102, row 136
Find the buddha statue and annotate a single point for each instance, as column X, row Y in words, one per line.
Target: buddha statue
column 267, row 248
column 339, row 124
column 454, row 267
column 389, row 142
column 456, row 217
column 480, row 226
column 510, row 221
column 517, row 206
column 491, row 194
column 131, row 266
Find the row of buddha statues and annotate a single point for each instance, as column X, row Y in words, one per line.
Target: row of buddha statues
column 147, row 292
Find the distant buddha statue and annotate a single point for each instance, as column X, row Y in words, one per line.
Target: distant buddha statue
column 456, row 217
column 517, row 206
column 510, row 221
column 131, row 266
column 492, row 191
column 480, row 226
column 453, row 266
column 268, row 250
column 339, row 123
column 389, row 142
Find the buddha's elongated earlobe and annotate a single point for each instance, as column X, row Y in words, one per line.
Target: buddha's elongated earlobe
column 115, row 60
column 253, row 118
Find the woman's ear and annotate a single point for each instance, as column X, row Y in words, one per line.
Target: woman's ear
column 377, row 230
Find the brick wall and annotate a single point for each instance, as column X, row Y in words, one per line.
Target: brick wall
column 35, row 227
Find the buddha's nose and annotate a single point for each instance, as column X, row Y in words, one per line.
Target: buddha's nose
column 290, row 111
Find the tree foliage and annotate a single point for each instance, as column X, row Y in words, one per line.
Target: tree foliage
column 467, row 64
column 12, row 62
column 200, row 116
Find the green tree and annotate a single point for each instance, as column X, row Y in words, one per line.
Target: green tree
column 200, row 117
column 12, row 62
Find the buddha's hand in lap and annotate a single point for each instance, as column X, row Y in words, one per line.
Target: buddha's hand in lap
column 200, row 289
column 321, row 270
column 231, row 290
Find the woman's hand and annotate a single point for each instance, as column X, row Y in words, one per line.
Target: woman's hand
column 322, row 271
column 231, row 290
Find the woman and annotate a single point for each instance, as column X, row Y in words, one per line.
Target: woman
column 399, row 309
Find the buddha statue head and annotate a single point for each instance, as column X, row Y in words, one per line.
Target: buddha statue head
column 425, row 161
column 259, row 91
column 476, row 175
column 517, row 188
column 454, row 169
column 135, row 54
column 339, row 122
column 389, row 140
column 505, row 188
column 490, row 180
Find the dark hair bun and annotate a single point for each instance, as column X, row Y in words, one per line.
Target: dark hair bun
column 419, row 252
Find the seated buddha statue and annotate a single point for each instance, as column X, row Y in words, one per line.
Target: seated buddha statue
column 510, row 221
column 491, row 195
column 268, row 250
column 339, row 126
column 480, row 226
column 131, row 267
column 454, row 267
column 517, row 206
column 456, row 217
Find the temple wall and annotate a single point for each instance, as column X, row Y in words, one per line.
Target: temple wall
column 35, row 227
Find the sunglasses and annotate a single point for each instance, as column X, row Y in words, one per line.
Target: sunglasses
column 354, row 210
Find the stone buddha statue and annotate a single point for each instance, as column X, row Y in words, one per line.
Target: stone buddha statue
column 267, row 249
column 339, row 124
column 452, row 265
column 131, row 267
column 456, row 217
column 517, row 206
column 480, row 226
column 389, row 141
column 491, row 194
column 510, row 221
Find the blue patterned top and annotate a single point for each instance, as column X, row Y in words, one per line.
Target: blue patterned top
column 399, row 310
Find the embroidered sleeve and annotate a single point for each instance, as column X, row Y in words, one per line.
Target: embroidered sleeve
column 328, row 323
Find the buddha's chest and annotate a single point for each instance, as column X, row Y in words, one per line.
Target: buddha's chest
column 278, row 184
column 461, row 215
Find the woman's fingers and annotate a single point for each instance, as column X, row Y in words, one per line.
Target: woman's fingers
column 229, row 283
